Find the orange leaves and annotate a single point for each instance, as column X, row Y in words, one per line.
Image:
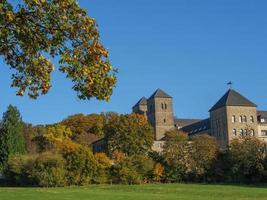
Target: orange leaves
column 10, row 16
column 158, row 172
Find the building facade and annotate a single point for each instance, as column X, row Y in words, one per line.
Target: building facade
column 231, row 117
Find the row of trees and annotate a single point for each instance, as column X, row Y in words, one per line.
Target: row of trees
column 61, row 154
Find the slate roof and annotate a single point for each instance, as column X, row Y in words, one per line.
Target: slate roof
column 232, row 98
column 142, row 101
column 185, row 122
column 160, row 93
column 262, row 115
column 200, row 126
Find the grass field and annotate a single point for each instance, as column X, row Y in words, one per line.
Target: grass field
column 143, row 192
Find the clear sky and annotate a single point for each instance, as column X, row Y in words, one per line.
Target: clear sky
column 189, row 48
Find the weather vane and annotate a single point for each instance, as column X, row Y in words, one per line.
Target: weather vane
column 230, row 84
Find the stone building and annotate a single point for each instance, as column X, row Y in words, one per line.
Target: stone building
column 232, row 116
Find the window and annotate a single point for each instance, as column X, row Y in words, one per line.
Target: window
column 233, row 119
column 162, row 106
column 234, row 132
column 240, row 119
column 244, row 119
column 241, row 132
column 251, row 119
column 164, row 120
column 165, row 106
column 252, row 132
column 263, row 132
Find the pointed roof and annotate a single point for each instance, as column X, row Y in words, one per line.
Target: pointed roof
column 142, row 101
column 160, row 93
column 233, row 98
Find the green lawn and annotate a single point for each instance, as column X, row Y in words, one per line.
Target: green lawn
column 143, row 192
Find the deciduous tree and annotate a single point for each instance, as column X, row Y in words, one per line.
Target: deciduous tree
column 33, row 31
column 130, row 134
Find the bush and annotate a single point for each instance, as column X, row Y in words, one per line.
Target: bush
column 133, row 170
column 17, row 171
column 48, row 170
column 81, row 165
column 103, row 166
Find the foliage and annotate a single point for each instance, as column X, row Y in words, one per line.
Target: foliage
column 158, row 172
column 30, row 133
column 81, row 165
column 103, row 165
column 17, row 170
column 246, row 156
column 53, row 137
column 86, row 128
column 124, row 172
column 45, row 170
column 11, row 138
column 34, row 29
column 49, row 170
column 203, row 152
column 176, row 152
column 130, row 134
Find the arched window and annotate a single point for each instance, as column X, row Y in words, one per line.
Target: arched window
column 234, row 132
column 233, row 119
column 241, row 132
column 244, row 119
column 251, row 119
column 240, row 119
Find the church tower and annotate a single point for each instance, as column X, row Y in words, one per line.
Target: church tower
column 160, row 113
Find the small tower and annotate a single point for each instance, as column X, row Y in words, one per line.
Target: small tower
column 141, row 107
column 160, row 113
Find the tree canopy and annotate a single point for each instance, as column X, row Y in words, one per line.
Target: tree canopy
column 33, row 31
column 131, row 134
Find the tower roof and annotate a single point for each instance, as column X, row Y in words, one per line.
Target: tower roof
column 142, row 101
column 160, row 93
column 233, row 98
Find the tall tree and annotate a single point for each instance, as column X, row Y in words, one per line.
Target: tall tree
column 203, row 151
column 176, row 152
column 11, row 135
column 30, row 30
column 247, row 156
column 130, row 134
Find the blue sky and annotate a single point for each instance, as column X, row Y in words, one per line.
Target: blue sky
column 189, row 48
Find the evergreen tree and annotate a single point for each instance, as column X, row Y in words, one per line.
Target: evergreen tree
column 11, row 137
